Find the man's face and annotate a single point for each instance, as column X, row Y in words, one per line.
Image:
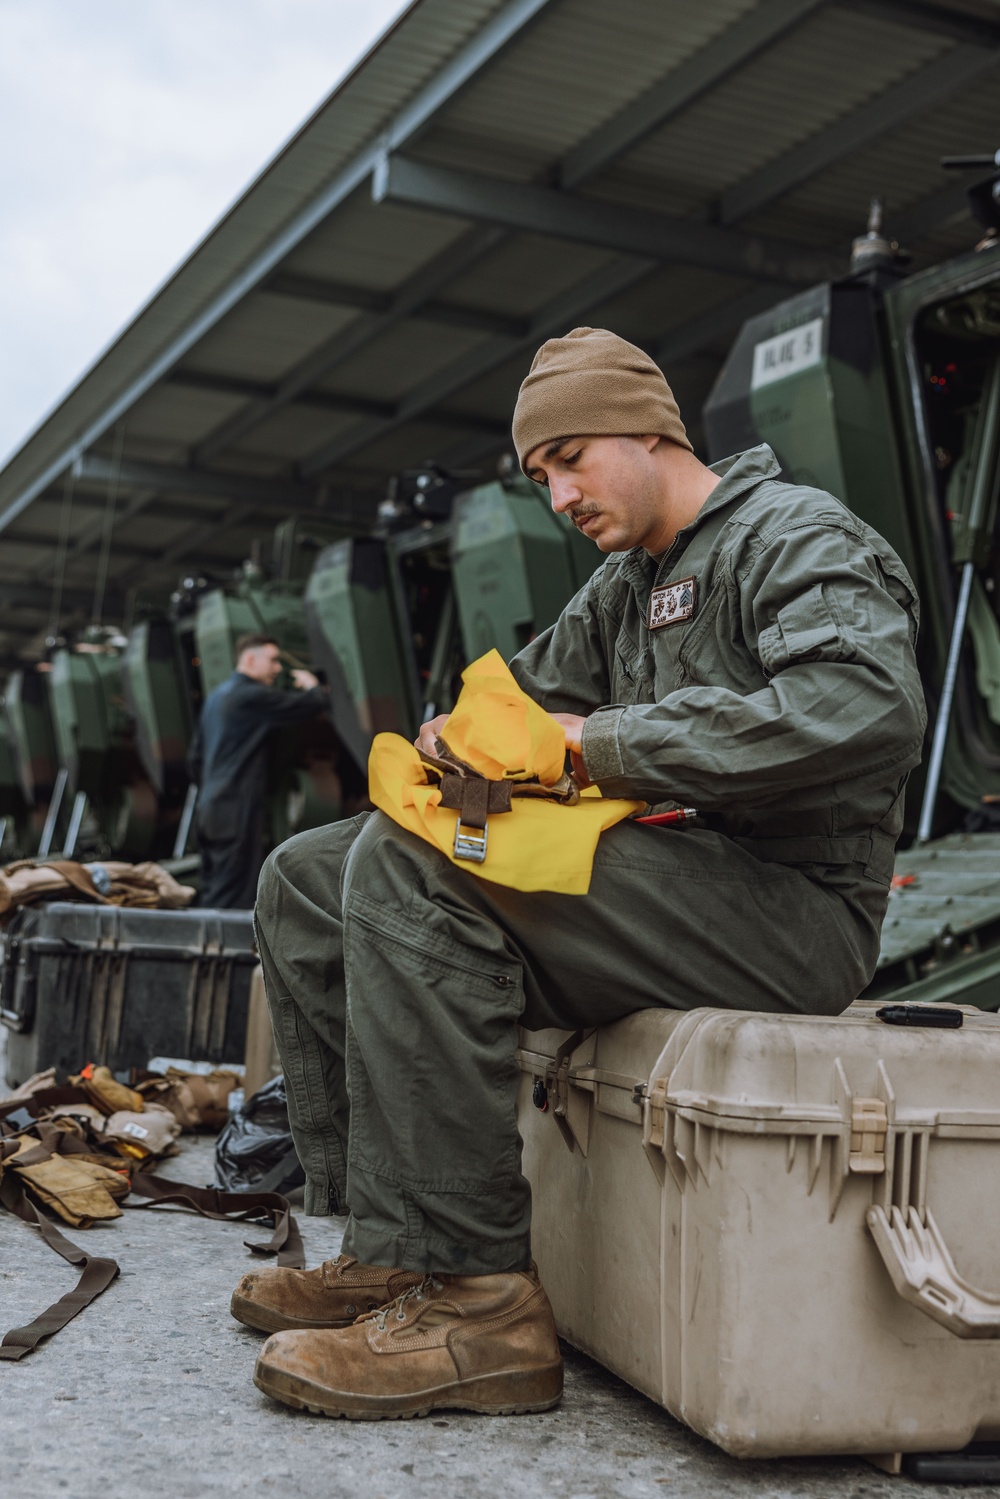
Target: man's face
column 262, row 663
column 611, row 488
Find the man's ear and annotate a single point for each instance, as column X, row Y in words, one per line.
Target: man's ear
column 650, row 440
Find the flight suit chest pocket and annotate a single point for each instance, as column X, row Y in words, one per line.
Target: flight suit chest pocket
column 628, row 683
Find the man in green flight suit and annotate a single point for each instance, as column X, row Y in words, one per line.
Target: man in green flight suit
column 746, row 649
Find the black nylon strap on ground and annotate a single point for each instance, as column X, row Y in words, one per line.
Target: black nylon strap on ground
column 231, row 1207
column 97, row 1274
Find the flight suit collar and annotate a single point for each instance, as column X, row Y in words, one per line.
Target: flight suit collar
column 739, row 476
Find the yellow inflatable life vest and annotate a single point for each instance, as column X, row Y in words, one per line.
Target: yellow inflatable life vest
column 501, row 751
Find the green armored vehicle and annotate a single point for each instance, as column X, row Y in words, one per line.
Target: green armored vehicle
column 455, row 572
column 885, row 390
column 115, row 809
column 33, row 748
column 13, row 807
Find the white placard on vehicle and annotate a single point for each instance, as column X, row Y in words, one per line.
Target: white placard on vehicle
column 787, row 353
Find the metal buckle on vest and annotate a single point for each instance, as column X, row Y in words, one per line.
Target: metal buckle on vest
column 470, row 843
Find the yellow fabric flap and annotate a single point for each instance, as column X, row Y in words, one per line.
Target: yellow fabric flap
column 501, row 732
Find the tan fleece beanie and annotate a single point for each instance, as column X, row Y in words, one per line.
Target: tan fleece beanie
column 593, row 384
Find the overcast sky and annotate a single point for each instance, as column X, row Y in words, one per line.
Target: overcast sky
column 126, row 128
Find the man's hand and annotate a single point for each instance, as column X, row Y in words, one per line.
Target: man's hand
column 572, row 724
column 304, row 679
column 429, row 732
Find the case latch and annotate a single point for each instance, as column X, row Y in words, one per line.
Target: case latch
column 869, row 1122
column 656, row 1097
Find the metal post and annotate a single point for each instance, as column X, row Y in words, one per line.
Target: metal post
column 943, row 724
column 973, row 540
column 75, row 823
column 187, row 817
column 52, row 815
column 438, row 681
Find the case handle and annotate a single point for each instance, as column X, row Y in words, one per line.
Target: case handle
column 923, row 1272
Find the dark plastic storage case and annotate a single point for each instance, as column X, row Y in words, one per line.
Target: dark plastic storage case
column 113, row 985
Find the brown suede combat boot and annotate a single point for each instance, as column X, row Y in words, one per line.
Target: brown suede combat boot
column 470, row 1342
column 332, row 1295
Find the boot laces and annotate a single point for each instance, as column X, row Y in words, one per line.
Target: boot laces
column 415, row 1293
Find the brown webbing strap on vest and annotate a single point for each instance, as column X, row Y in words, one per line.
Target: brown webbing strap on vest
column 231, row 1207
column 475, row 798
column 97, row 1274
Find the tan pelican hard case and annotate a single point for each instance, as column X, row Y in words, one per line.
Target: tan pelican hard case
column 785, row 1229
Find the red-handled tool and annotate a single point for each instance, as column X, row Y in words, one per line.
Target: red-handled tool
column 674, row 819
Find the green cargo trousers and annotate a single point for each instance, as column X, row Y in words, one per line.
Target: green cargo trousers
column 396, row 983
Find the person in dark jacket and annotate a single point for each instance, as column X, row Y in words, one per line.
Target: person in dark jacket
column 228, row 760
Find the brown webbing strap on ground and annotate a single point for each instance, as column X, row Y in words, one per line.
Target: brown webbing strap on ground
column 231, row 1207
column 97, row 1274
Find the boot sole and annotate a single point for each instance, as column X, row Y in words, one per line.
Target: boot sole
column 264, row 1319
column 516, row 1392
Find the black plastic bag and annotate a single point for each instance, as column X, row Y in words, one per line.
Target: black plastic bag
column 255, row 1152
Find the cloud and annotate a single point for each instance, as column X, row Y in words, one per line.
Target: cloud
column 127, row 129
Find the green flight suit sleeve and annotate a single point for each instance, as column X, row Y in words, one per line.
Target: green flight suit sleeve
column 832, row 632
column 565, row 668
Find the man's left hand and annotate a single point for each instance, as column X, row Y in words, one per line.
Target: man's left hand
column 572, row 724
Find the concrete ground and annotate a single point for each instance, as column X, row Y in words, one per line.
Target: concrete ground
column 148, row 1393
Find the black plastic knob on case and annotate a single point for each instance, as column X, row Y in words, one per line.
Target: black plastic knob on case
column 933, row 1015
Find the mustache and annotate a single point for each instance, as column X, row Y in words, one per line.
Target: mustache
column 576, row 516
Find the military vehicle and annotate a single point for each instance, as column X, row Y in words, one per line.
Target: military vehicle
column 454, row 571
column 115, row 809
column 13, row 807
column 884, row 389
column 32, row 741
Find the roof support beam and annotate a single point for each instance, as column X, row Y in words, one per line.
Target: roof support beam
column 165, row 478
column 27, row 596
column 890, row 109
column 427, row 282
column 508, row 23
column 612, row 226
column 732, row 49
column 925, row 15
column 318, row 400
column 91, row 535
column 555, row 317
column 336, row 294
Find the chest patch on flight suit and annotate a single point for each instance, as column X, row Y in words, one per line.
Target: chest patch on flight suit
column 672, row 603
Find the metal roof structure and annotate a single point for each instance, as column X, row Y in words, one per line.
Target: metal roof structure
column 493, row 173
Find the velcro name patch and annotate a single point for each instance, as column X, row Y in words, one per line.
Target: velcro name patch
column 672, row 603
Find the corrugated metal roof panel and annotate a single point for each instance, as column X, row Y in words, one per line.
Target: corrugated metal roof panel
column 816, row 75
column 573, row 72
column 263, row 341
column 901, row 166
column 373, row 246
column 526, row 272
column 179, row 415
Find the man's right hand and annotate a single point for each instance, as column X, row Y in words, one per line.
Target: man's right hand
column 429, row 732
column 304, row 679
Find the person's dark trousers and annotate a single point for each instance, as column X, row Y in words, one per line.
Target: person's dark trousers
column 230, row 863
column 396, row 982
